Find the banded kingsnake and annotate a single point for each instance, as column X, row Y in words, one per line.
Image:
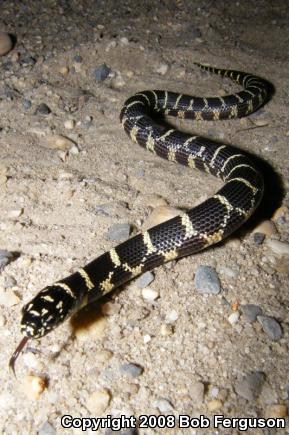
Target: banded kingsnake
column 200, row 227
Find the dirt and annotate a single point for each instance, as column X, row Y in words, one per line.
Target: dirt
column 58, row 205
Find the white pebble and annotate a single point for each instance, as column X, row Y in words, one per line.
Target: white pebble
column 146, row 338
column 6, row 43
column 98, row 402
column 172, row 316
column 162, row 69
column 8, row 298
column 234, row 317
column 149, row 294
column 15, row 213
column 69, row 124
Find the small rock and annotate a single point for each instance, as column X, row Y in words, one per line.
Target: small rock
column 8, row 298
column 149, row 294
column 234, row 318
column 250, row 312
column 43, row 109
column 64, row 70
column 166, row 329
column 87, row 327
column 101, row 73
column 6, row 43
column 56, row 141
column 69, row 124
column 74, row 150
column 77, row 58
column 172, row 317
column 266, row 227
column 5, row 258
column 250, row 386
column 258, row 238
column 279, row 248
column 118, row 232
column 26, row 104
column 46, row 429
column 145, row 279
column 214, row 405
column 2, row 320
column 15, row 213
column 207, row 280
column 162, row 69
column 229, row 272
column 33, row 386
column 146, row 338
column 98, row 402
column 133, row 370
column 159, row 215
column 27, row 60
column 197, row 391
column 31, row 361
column 271, row 327
column 276, row 411
column 163, row 405
column 124, row 41
column 280, row 212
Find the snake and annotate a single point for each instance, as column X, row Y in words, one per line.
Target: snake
column 191, row 231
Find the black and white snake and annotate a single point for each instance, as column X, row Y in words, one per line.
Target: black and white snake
column 196, row 229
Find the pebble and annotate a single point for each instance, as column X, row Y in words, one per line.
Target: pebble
column 234, row 318
column 250, row 312
column 149, row 294
column 26, row 104
column 77, row 58
column 145, row 279
column 279, row 248
column 271, row 327
column 214, row 404
column 250, row 386
column 280, row 212
column 43, row 109
column 87, row 327
column 146, row 338
column 33, row 386
column 6, row 43
column 197, row 391
column 207, row 280
column 163, row 405
column 258, row 238
column 101, row 73
column 133, row 370
column 266, row 227
column 118, row 232
column 46, row 429
column 159, row 215
column 8, row 298
column 276, row 411
column 228, row 271
column 172, row 317
column 166, row 330
column 64, row 70
column 56, row 141
column 69, row 124
column 98, row 402
column 5, row 258
column 162, row 69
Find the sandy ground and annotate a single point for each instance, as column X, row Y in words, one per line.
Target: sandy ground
column 58, row 205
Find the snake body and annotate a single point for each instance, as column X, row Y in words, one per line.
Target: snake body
column 191, row 231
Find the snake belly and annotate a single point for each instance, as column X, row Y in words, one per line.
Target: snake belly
column 190, row 232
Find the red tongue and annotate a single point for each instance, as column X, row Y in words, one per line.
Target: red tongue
column 15, row 355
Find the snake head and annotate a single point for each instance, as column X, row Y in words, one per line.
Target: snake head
column 50, row 307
